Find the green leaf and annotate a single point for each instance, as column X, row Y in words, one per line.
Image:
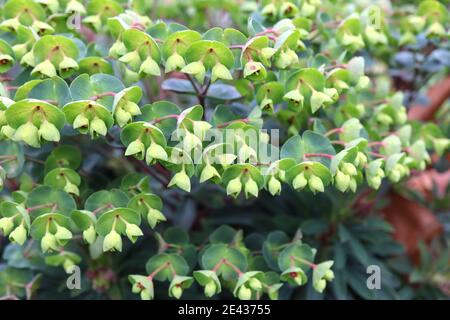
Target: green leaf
column 104, row 200
column 176, row 235
column 224, row 234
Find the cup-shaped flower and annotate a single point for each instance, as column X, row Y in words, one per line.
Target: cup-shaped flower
column 319, row 99
column 28, row 60
column 341, row 181
column 89, row 235
column 288, row 9
column 67, row 67
column 62, row 234
column 209, row 280
column 154, row 217
column 75, row 6
column 28, row 133
column 174, row 62
column 436, row 29
column 251, row 188
column 269, row 10
column 255, row 71
column 178, row 285
column 295, row 97
column 294, row 276
column 132, row 59
column 122, row 116
column 190, row 141
column 197, row 69
column 440, row 145
column 136, row 148
column 133, row 232
column 234, row 187
column 274, row 186
column 42, row 28
column 81, row 122
column 266, row 105
column 219, row 71
column 69, row 187
column 244, row 293
column 117, row 49
column 49, row 132
column 150, row 67
column 11, row 24
column 315, row 184
column 283, row 59
column 49, row 242
column 299, row 181
column 208, row 172
column 267, row 52
column 155, row 151
column 6, row 225
column 45, row 68
column 97, row 127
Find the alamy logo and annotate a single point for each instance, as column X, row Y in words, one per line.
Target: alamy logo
column 374, row 280
column 74, row 21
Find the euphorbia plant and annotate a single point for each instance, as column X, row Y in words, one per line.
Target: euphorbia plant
column 160, row 106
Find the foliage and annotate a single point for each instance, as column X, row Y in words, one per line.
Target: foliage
column 99, row 122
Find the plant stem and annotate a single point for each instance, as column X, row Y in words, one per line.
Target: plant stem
column 169, row 116
column 106, row 206
column 309, row 263
column 101, row 95
column 157, row 270
column 40, row 206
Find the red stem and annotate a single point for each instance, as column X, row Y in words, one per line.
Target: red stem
column 323, row 155
column 232, row 266
column 157, row 270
